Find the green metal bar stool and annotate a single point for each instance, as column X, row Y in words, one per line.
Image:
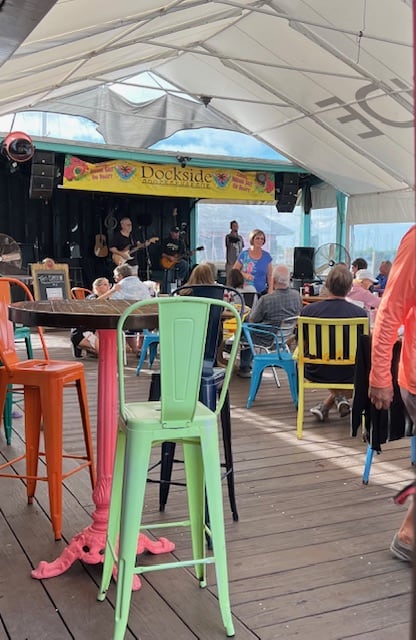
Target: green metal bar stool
column 178, row 417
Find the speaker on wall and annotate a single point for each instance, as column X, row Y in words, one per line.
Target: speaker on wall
column 42, row 175
column 287, row 187
column 303, row 263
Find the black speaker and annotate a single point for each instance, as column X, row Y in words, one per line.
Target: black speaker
column 287, row 187
column 303, row 263
column 42, row 175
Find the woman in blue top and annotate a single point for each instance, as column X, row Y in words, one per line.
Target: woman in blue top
column 256, row 264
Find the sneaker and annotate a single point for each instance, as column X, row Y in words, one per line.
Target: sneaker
column 320, row 411
column 401, row 550
column 343, row 406
column 245, row 372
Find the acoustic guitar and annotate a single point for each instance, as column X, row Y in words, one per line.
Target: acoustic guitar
column 167, row 262
column 120, row 259
column 101, row 247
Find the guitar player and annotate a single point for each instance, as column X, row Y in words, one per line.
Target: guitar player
column 174, row 250
column 123, row 241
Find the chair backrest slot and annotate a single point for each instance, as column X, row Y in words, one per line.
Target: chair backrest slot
column 330, row 341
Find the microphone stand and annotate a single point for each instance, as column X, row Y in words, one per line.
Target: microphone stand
column 187, row 255
column 148, row 260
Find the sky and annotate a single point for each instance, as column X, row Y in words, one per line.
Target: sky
column 143, row 88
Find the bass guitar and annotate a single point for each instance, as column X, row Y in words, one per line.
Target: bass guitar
column 167, row 262
column 125, row 256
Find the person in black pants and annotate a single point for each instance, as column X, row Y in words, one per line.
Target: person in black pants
column 84, row 339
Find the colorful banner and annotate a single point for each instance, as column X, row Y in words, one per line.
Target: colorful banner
column 119, row 176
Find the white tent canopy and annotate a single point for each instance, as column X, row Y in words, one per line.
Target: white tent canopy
column 328, row 83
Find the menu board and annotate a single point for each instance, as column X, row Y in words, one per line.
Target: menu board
column 51, row 283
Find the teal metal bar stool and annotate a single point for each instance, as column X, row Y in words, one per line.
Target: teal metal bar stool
column 178, row 417
column 150, row 345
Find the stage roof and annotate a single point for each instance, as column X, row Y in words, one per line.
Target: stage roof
column 327, row 83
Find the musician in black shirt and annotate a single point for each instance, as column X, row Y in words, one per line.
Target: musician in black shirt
column 123, row 242
column 173, row 252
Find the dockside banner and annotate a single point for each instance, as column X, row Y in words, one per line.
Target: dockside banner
column 119, row 176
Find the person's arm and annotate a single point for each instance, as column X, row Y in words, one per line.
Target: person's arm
column 269, row 278
column 108, row 294
column 257, row 314
column 124, row 254
column 369, row 299
column 397, row 300
column 239, row 266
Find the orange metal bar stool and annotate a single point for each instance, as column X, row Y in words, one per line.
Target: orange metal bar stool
column 80, row 293
column 19, row 333
column 43, row 383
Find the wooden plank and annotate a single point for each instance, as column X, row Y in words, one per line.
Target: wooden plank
column 19, row 592
column 344, row 623
column 309, row 557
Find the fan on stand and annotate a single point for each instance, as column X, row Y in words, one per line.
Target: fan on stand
column 327, row 256
column 10, row 256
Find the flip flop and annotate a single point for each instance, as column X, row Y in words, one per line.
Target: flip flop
column 401, row 550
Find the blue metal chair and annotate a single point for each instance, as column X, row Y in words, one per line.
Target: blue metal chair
column 149, row 347
column 275, row 355
column 370, row 454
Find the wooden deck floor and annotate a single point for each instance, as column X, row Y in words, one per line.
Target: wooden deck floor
column 308, row 558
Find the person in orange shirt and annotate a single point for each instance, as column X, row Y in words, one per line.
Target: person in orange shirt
column 397, row 308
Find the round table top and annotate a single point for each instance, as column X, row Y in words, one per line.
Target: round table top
column 91, row 314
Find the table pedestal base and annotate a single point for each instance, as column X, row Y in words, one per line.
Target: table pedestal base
column 88, row 546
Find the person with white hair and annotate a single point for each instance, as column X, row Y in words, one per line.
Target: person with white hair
column 272, row 309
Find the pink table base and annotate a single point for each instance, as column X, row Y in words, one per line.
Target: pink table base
column 89, row 544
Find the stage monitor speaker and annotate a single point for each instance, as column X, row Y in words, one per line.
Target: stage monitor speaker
column 303, row 263
column 42, row 175
column 287, row 187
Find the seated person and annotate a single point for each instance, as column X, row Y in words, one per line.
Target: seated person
column 338, row 283
column 128, row 287
column 360, row 291
column 202, row 273
column 213, row 270
column 237, row 282
column 382, row 277
column 357, row 264
column 272, row 309
column 84, row 339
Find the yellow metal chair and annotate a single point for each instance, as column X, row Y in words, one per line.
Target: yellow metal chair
column 325, row 341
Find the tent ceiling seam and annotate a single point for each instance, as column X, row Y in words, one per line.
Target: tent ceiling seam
column 292, row 20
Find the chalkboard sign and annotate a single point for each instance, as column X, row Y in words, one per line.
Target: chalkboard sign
column 51, row 283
